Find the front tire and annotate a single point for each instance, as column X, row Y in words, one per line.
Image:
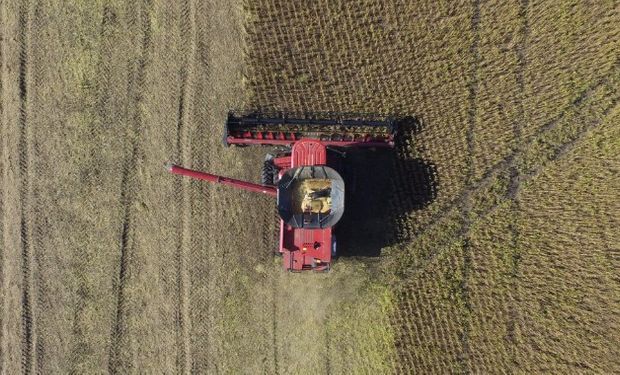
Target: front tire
column 269, row 174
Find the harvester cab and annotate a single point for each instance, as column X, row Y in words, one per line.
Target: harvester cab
column 309, row 191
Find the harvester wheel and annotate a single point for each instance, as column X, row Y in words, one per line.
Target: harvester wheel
column 269, row 173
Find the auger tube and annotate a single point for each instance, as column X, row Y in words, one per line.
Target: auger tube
column 244, row 185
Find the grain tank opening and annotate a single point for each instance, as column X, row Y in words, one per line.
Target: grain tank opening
column 311, row 197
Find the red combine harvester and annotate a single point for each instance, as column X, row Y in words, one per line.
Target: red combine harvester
column 303, row 175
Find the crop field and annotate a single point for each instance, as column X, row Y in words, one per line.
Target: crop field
column 485, row 242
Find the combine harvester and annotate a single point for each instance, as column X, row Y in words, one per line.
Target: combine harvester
column 303, row 176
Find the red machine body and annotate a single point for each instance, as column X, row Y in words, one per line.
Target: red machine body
column 307, row 241
column 306, row 249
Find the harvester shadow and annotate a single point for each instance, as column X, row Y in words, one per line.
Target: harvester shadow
column 383, row 187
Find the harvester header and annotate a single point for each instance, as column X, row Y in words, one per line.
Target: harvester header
column 341, row 129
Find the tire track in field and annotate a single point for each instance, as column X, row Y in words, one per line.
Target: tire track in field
column 562, row 151
column 328, row 362
column 129, row 189
column 566, row 147
column 198, row 254
column 267, row 255
column 108, row 21
column 503, row 165
column 187, row 30
column 3, row 168
column 127, row 196
column 39, row 222
column 31, row 227
column 408, row 270
column 104, row 82
column 465, row 203
column 517, row 128
column 28, row 322
column 274, row 328
column 444, row 246
column 270, row 248
column 514, row 183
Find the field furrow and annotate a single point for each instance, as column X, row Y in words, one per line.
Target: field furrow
column 26, row 229
column 570, row 133
column 186, row 100
column 531, row 149
column 581, row 288
column 121, row 351
column 465, row 205
column 126, row 243
column 4, row 190
column 197, row 253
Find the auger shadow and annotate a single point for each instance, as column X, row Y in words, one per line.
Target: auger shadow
column 382, row 187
